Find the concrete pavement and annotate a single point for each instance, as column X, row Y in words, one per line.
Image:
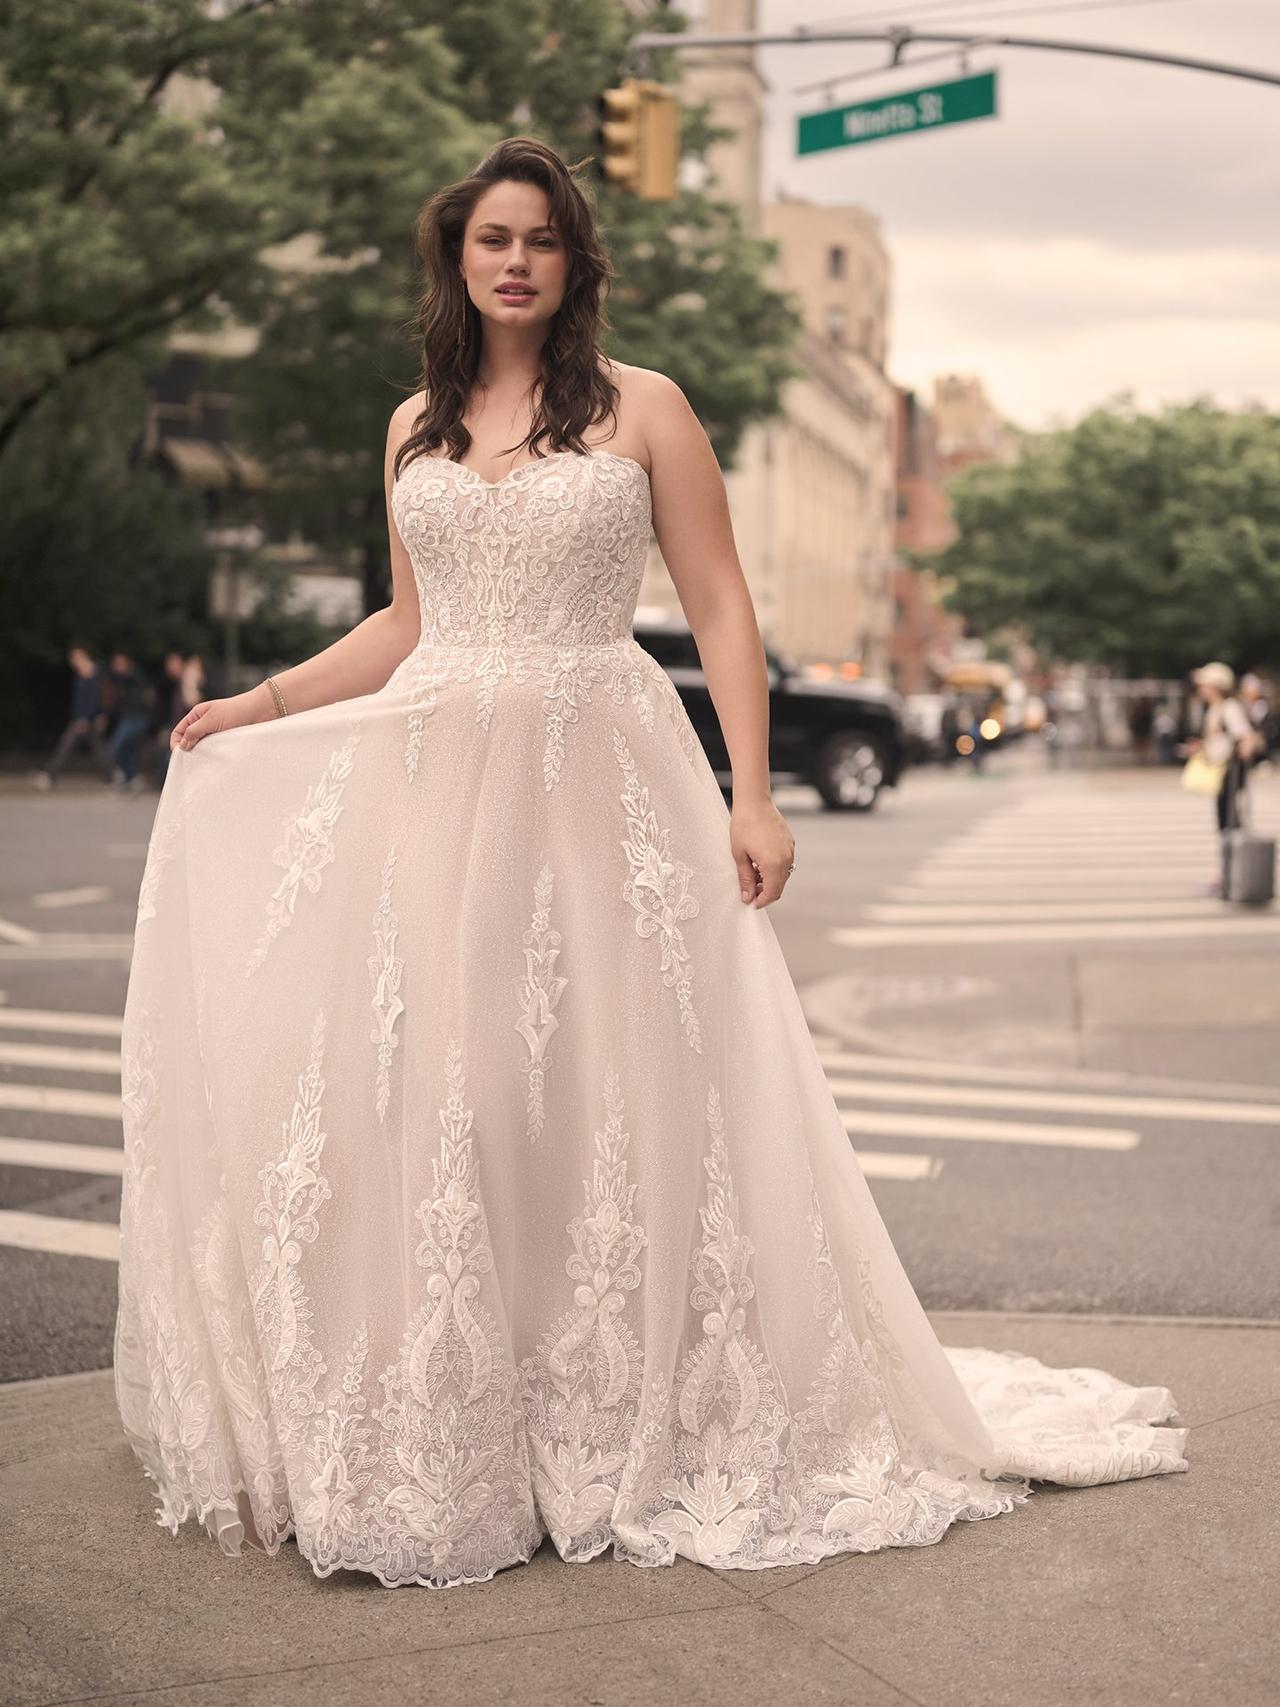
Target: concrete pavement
column 1153, row 1591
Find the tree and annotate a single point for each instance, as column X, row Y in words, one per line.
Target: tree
column 157, row 152
column 334, row 356
column 1144, row 542
column 100, row 549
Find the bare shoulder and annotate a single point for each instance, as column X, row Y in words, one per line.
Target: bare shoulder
column 404, row 415
column 652, row 406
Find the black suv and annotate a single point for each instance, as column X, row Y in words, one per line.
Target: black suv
column 845, row 738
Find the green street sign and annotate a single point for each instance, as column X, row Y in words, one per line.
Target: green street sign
column 898, row 115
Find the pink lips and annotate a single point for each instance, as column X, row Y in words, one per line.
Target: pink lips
column 516, row 293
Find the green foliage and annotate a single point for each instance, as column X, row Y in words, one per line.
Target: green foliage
column 1144, row 542
column 93, row 549
column 160, row 155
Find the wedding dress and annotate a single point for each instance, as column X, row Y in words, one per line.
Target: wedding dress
column 482, row 1181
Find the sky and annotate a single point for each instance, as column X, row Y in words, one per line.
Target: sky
column 1115, row 228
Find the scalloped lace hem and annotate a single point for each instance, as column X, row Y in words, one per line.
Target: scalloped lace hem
column 631, row 1543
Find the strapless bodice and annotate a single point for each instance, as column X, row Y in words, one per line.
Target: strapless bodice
column 550, row 555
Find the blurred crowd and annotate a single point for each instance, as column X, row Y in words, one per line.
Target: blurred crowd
column 121, row 715
column 1165, row 728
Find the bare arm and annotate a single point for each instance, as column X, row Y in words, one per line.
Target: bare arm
column 360, row 663
column 695, row 535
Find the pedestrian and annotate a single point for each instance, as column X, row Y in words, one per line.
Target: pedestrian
column 1219, row 757
column 1141, row 727
column 483, row 1181
column 86, row 720
column 949, row 728
column 1164, row 730
column 1260, row 712
column 132, row 697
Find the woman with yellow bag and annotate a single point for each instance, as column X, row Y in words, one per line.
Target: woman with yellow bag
column 1219, row 758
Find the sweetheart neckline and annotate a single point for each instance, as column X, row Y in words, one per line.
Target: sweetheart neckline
column 538, row 462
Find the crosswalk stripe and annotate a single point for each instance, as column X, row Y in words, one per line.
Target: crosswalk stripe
column 1025, row 890
column 834, row 1055
column 911, row 1170
column 51, row 1019
column 1114, row 883
column 1082, row 865
column 69, row 948
column 1059, row 1102
column 955, row 913
column 59, row 1235
column 58, row 1058
column 53, row 1099
column 70, row 1158
column 71, row 897
column 925, row 1126
column 9, row 932
column 1119, row 930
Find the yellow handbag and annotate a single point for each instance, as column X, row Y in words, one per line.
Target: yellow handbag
column 1202, row 776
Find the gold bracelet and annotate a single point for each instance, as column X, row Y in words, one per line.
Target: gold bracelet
column 282, row 710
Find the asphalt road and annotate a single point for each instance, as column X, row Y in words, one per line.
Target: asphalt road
column 1055, row 1054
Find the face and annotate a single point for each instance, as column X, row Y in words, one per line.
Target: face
column 515, row 266
column 173, row 663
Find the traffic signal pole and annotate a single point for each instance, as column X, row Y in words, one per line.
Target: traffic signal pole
column 900, row 36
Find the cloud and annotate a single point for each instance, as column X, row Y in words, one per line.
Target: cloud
column 1114, row 228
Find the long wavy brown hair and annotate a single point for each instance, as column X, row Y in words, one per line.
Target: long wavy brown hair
column 573, row 391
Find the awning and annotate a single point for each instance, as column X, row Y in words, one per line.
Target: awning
column 249, row 471
column 198, row 463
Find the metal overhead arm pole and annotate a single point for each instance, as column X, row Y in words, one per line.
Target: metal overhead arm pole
column 900, row 36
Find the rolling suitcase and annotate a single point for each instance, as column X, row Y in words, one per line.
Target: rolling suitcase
column 1248, row 861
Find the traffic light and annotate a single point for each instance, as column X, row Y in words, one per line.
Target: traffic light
column 638, row 138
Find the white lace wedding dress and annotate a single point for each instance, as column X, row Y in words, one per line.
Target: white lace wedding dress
column 481, row 1178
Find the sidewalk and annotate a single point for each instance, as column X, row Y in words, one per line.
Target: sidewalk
column 1150, row 1591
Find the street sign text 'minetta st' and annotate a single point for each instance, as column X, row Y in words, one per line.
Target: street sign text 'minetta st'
column 898, row 115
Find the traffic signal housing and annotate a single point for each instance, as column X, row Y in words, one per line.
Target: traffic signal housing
column 638, row 138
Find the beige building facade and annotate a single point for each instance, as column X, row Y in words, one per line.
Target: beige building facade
column 812, row 492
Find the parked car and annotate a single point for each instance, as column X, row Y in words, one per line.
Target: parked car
column 845, row 738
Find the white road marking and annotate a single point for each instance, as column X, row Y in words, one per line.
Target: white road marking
column 994, row 912
column 991, row 889
column 925, row 1126
column 882, row 1164
column 70, row 1158
column 58, row 1058
column 51, row 1019
column 71, row 897
column 69, row 948
column 59, row 1236
column 1252, row 925
column 53, row 1099
column 1068, row 880
column 1051, row 1078
column 1047, row 865
column 1059, row 1102
column 9, row 932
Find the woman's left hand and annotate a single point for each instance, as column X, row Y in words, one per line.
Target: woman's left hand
column 763, row 850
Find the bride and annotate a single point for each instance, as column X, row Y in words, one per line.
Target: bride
column 482, row 1181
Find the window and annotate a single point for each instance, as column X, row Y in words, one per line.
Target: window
column 836, row 322
column 835, row 261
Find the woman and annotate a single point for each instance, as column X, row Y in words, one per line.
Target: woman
column 1226, row 738
column 482, row 1179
